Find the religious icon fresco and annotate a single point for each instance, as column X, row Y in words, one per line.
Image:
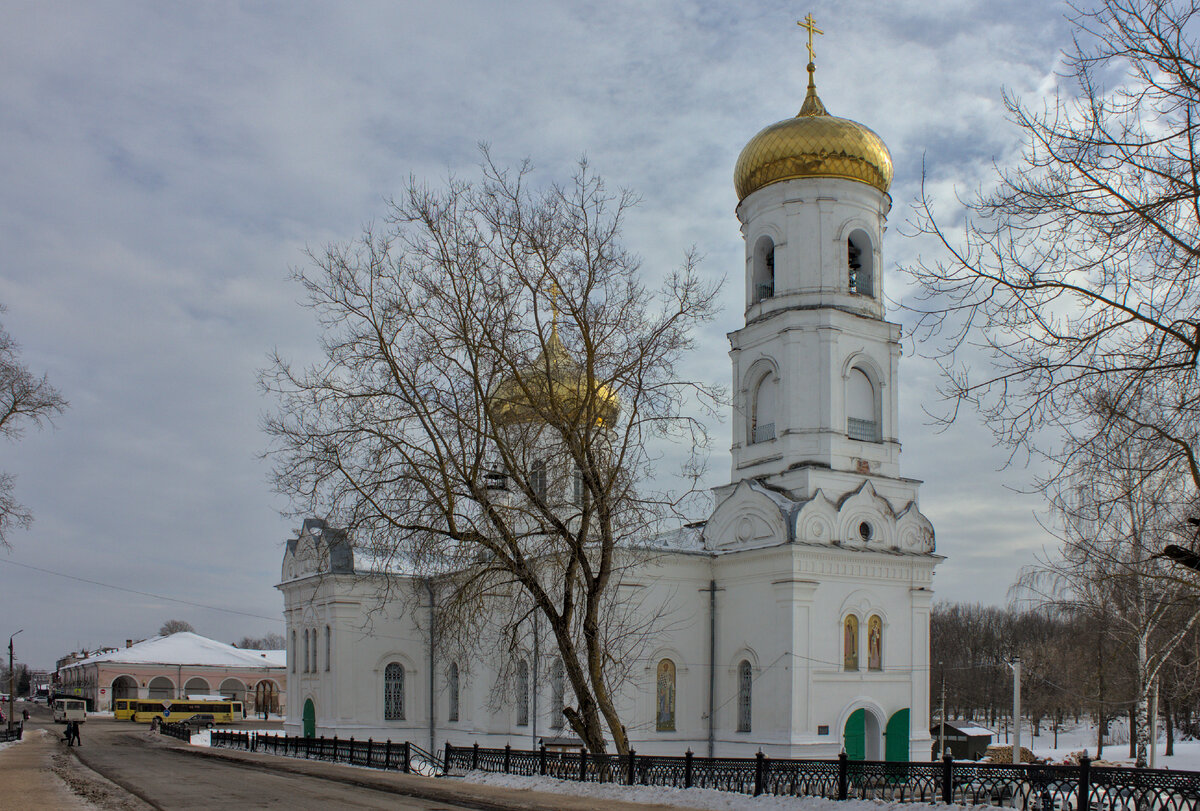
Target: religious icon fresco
column 665, row 695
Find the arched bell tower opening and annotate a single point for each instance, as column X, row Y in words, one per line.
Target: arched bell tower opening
column 860, row 264
column 762, row 277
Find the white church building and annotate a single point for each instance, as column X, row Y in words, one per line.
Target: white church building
column 795, row 620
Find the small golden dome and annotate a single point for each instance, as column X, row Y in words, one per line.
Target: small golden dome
column 813, row 144
column 554, row 384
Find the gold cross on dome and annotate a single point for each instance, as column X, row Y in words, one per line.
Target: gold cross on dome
column 810, row 25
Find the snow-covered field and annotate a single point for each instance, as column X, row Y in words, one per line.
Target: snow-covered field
column 1078, row 738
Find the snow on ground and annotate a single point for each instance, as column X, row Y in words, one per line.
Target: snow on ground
column 694, row 797
column 7, row 744
column 1077, row 738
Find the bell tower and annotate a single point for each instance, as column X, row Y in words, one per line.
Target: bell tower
column 814, row 367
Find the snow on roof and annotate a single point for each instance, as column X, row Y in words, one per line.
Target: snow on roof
column 186, row 648
column 969, row 728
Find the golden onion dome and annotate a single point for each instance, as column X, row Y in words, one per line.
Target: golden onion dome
column 813, row 144
column 554, row 384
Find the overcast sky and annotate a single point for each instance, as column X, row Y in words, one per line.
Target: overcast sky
column 164, row 165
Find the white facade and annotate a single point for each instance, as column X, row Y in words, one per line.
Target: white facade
column 811, row 580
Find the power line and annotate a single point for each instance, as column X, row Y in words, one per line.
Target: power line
column 140, row 593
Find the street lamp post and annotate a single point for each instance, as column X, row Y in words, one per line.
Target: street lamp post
column 11, row 675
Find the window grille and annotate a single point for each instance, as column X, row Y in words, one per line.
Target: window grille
column 862, row 430
column 453, row 680
column 522, row 693
column 764, row 432
column 393, row 692
column 556, row 695
column 764, row 290
column 537, row 479
column 745, row 684
column 307, row 650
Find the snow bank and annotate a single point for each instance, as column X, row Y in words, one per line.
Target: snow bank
column 694, row 797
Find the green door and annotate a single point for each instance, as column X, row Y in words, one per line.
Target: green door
column 897, row 736
column 854, row 737
column 310, row 719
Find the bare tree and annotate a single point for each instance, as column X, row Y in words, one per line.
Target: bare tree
column 496, row 387
column 25, row 399
column 1079, row 272
column 1121, row 502
column 174, row 627
column 272, row 641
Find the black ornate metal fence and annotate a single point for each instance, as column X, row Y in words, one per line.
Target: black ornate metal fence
column 1027, row 787
column 403, row 757
column 11, row 733
column 181, row 731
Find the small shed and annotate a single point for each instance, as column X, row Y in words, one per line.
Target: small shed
column 964, row 739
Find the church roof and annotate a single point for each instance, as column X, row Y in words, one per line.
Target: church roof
column 813, row 144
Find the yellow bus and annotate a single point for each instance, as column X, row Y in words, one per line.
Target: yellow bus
column 124, row 707
column 143, row 711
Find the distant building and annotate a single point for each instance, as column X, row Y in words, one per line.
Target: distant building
column 964, row 740
column 175, row 666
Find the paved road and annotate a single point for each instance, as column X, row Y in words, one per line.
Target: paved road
column 167, row 778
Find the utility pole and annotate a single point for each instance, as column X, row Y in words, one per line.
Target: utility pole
column 11, row 675
column 1016, row 747
column 942, row 728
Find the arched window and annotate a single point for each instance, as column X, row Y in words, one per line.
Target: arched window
column 850, row 643
column 875, row 642
column 313, row 633
column 295, row 651
column 763, row 277
column 328, row 648
column 578, row 491
column 664, row 720
column 557, row 694
column 452, row 686
column 522, row 693
column 764, row 409
column 745, row 684
column 393, row 692
column 859, row 264
column 862, row 422
column 307, row 650
column 537, row 479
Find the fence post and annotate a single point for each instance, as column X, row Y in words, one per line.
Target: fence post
column 387, row 755
column 507, row 756
column 687, row 768
column 583, row 764
column 446, row 762
column 407, row 757
column 351, row 751
column 948, row 779
column 632, row 767
column 843, row 776
column 475, row 757
column 1085, row 784
column 759, row 769
column 542, row 758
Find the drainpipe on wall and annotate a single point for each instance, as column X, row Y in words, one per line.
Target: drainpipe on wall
column 432, row 661
column 712, row 664
column 537, row 660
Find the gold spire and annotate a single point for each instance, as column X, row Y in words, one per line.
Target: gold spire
column 812, row 104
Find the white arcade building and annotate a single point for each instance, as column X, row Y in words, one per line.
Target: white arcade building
column 796, row 619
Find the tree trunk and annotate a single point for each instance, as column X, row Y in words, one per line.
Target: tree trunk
column 1170, row 725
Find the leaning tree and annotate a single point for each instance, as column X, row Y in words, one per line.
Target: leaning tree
column 497, row 385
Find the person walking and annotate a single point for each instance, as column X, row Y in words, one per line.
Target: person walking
column 73, row 733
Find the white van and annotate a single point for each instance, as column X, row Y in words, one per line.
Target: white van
column 69, row 709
